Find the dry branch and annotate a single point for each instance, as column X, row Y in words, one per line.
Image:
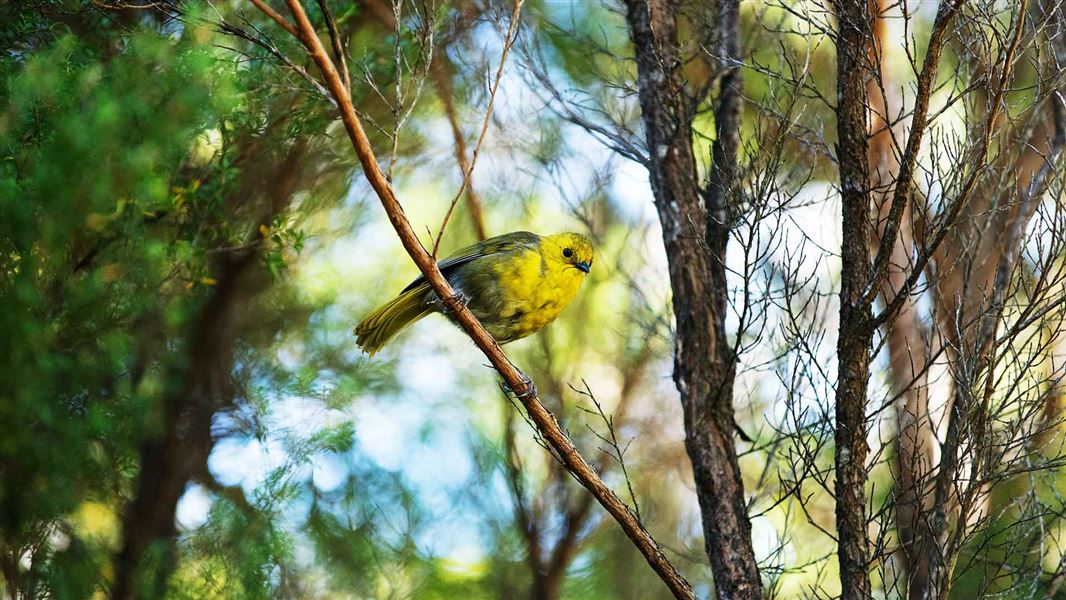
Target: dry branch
column 442, row 81
column 947, row 519
column 338, row 44
column 892, row 183
column 905, row 179
column 276, row 17
column 548, row 565
column 547, row 425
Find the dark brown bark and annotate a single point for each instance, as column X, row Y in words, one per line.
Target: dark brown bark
column 695, row 239
column 723, row 175
column 856, row 321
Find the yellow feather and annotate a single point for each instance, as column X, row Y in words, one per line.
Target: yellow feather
column 390, row 319
column 537, row 289
column 517, row 284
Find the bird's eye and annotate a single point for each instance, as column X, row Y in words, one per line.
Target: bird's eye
column 568, row 252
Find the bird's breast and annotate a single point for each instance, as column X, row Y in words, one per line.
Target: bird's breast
column 533, row 294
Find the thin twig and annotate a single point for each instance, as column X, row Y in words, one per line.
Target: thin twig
column 338, row 45
column 955, row 209
column 397, row 15
column 400, row 116
column 618, row 453
column 276, row 17
column 516, row 12
column 945, row 14
column 125, row 5
column 266, row 44
column 442, row 81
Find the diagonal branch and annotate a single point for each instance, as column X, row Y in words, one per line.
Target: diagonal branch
column 267, row 45
column 944, row 16
column 955, row 490
column 276, row 17
column 951, row 216
column 549, row 428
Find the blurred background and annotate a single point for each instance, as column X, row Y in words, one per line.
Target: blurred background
column 148, row 157
column 186, row 242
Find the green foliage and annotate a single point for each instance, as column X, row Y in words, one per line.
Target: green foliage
column 128, row 200
column 92, row 150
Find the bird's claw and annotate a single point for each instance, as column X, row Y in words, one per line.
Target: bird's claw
column 451, row 304
column 529, row 389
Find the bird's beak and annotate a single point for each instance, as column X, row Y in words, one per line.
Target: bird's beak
column 584, row 266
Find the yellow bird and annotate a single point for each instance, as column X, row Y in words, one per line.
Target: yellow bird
column 515, row 284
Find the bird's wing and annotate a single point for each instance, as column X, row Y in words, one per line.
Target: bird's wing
column 507, row 242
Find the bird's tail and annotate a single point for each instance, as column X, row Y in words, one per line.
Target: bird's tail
column 390, row 319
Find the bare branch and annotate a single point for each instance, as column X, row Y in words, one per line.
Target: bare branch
column 339, row 52
column 443, row 83
column 509, row 41
column 276, row 17
column 522, row 386
column 905, row 179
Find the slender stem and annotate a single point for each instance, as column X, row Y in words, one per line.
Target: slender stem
column 945, row 13
column 337, row 43
column 545, row 421
column 276, row 17
column 947, row 224
column 516, row 12
column 442, row 81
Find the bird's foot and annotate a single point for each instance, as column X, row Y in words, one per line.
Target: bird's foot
column 453, row 303
column 527, row 390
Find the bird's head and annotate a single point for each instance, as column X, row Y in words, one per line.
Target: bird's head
column 569, row 250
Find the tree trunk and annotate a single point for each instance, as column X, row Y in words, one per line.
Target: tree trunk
column 704, row 364
column 856, row 321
